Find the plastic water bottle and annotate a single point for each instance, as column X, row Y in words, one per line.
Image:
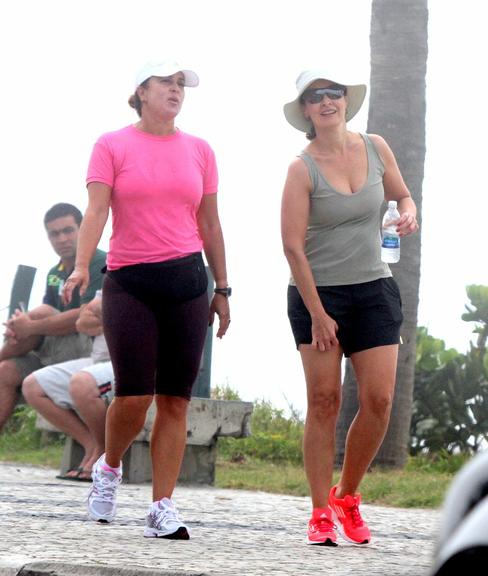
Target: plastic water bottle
column 390, row 242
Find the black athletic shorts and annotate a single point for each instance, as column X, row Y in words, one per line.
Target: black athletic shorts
column 368, row 314
column 155, row 319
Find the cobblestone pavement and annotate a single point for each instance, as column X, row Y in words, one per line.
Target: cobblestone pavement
column 233, row 532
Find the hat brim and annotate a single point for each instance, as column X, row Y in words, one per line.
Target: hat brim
column 294, row 112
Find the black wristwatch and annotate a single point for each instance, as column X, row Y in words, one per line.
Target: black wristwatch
column 224, row 291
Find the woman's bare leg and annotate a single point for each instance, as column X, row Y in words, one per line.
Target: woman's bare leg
column 375, row 373
column 323, row 378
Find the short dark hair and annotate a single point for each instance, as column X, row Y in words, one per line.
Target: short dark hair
column 60, row 210
column 135, row 101
column 311, row 134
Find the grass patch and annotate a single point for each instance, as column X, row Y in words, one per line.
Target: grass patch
column 254, row 474
column 407, row 488
column 49, row 456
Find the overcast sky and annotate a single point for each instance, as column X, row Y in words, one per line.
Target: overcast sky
column 68, row 69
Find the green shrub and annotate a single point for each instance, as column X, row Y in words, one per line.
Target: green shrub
column 437, row 462
column 21, row 435
column 21, row 441
column 224, row 392
column 274, row 437
column 20, row 431
column 450, row 399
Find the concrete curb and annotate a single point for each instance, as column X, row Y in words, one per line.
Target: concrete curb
column 65, row 569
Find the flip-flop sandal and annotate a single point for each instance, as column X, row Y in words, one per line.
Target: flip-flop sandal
column 69, row 476
column 83, row 476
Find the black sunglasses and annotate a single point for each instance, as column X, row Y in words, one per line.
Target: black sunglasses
column 316, row 95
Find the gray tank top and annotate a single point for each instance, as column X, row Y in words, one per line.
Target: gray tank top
column 343, row 242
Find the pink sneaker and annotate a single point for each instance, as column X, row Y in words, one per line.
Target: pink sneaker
column 345, row 513
column 321, row 530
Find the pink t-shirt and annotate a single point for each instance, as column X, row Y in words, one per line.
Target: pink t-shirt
column 157, row 185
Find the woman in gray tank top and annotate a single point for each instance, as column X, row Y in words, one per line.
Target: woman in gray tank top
column 342, row 299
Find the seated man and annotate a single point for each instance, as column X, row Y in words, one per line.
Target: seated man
column 74, row 395
column 47, row 334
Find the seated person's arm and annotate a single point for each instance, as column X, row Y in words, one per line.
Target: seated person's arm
column 24, row 329
column 90, row 319
column 39, row 323
column 58, row 324
column 14, row 346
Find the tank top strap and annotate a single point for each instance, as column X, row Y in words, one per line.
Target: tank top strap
column 312, row 169
column 373, row 154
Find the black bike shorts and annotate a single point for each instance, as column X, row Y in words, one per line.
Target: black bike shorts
column 155, row 319
column 368, row 314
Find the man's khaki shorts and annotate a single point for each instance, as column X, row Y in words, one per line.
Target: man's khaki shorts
column 53, row 350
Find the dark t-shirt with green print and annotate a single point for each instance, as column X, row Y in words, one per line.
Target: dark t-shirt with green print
column 57, row 276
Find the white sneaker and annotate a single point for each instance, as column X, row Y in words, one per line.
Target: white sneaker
column 162, row 522
column 101, row 499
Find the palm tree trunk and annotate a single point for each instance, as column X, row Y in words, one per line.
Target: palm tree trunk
column 397, row 112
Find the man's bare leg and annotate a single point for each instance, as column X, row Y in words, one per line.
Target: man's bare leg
column 10, row 381
column 63, row 419
column 92, row 410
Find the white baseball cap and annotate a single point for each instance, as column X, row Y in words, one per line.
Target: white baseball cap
column 165, row 68
column 293, row 110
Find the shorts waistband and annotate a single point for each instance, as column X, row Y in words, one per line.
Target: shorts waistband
column 173, row 263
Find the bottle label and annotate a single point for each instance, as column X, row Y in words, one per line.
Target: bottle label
column 391, row 242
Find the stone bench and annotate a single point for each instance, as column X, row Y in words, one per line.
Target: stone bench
column 208, row 420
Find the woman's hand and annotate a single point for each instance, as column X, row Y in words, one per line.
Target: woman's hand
column 324, row 330
column 407, row 224
column 220, row 306
column 79, row 277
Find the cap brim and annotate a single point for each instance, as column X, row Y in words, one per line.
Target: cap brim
column 167, row 69
column 191, row 78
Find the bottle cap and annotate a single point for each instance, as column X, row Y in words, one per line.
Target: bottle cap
column 392, row 204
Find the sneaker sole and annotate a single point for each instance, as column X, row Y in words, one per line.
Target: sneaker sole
column 180, row 534
column 326, row 542
column 100, row 519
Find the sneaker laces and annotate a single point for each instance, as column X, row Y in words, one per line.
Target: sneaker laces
column 105, row 486
column 164, row 512
column 323, row 520
column 352, row 510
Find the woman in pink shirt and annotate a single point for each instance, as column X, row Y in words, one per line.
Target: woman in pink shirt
column 160, row 185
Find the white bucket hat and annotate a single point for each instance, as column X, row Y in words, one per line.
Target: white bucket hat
column 165, row 68
column 293, row 110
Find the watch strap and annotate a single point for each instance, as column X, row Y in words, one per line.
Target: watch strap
column 224, row 291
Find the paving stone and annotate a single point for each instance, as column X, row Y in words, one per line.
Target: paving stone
column 43, row 520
